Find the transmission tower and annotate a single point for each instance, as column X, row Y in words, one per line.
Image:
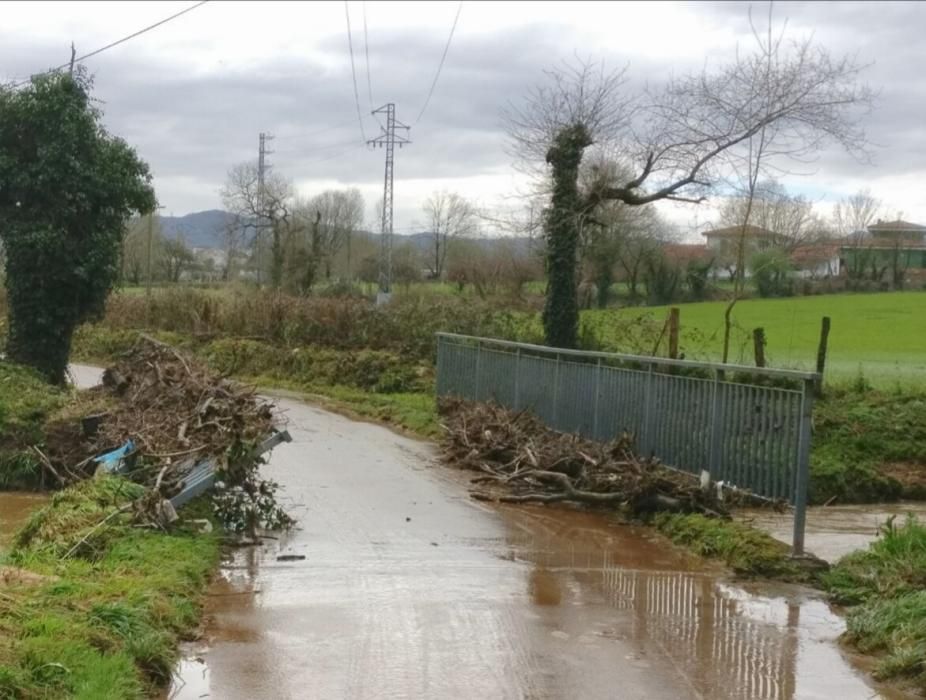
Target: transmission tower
column 263, row 167
column 389, row 139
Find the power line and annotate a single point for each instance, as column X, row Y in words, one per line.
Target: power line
column 353, row 71
column 441, row 64
column 116, row 43
column 292, row 135
column 366, row 49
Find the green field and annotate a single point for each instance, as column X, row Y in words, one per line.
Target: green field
column 882, row 335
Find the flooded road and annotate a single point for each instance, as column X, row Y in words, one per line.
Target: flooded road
column 834, row 531
column 409, row 589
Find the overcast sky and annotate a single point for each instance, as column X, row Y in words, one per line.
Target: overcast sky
column 193, row 94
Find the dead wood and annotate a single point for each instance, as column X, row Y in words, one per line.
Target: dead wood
column 520, row 460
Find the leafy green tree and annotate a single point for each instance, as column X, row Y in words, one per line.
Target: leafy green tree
column 67, row 188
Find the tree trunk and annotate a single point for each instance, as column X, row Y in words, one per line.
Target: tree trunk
column 276, row 257
column 561, row 311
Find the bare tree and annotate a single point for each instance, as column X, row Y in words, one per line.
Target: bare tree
column 341, row 214
column 449, row 217
column 267, row 207
column 778, row 102
column 176, row 256
column 851, row 218
column 790, row 217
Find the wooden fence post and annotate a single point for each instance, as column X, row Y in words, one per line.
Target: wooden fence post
column 758, row 342
column 821, row 354
column 673, row 332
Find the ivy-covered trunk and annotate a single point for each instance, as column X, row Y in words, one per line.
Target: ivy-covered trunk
column 68, row 188
column 561, row 311
column 42, row 312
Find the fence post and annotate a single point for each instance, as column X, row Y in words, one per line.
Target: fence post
column 478, row 368
column 821, row 353
column 714, row 447
column 556, row 394
column 597, row 398
column 517, row 379
column 647, row 437
column 758, row 342
column 440, row 366
column 803, row 466
column 673, row 332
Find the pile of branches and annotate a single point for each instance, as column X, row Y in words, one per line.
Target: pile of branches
column 176, row 413
column 521, row 461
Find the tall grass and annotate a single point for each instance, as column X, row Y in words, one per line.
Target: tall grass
column 405, row 326
column 887, row 585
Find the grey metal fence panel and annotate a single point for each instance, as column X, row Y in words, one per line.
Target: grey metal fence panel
column 752, row 436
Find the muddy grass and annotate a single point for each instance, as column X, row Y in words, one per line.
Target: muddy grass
column 104, row 622
column 884, row 588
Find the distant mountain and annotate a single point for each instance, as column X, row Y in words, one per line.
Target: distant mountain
column 201, row 229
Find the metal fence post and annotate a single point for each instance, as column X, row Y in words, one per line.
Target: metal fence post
column 803, row 466
column 597, row 399
column 714, row 446
column 517, row 379
column 478, row 369
column 647, row 436
column 441, row 366
column 556, row 392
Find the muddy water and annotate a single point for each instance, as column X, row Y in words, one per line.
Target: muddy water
column 834, row 531
column 15, row 508
column 409, row 589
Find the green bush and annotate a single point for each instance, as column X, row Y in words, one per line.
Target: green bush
column 772, row 273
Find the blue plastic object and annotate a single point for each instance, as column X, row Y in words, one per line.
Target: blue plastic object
column 114, row 461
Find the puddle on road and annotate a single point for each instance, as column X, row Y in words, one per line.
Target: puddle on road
column 595, row 606
column 409, row 589
column 721, row 639
column 15, row 509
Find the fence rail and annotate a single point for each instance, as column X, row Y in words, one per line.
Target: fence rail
column 753, row 433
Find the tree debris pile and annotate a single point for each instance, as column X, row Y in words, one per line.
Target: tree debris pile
column 522, row 460
column 168, row 413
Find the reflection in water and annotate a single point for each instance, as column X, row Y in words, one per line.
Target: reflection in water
column 544, row 587
column 721, row 641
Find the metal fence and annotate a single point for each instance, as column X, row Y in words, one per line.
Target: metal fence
column 753, row 433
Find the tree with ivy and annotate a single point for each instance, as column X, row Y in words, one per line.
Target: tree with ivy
column 781, row 100
column 67, row 190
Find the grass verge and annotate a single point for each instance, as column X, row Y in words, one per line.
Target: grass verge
column 869, row 445
column 885, row 587
column 26, row 400
column 105, row 621
column 746, row 550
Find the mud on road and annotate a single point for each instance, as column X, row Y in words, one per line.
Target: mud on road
column 409, row 589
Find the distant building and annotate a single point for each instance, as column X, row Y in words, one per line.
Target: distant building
column 886, row 245
column 723, row 244
column 725, row 241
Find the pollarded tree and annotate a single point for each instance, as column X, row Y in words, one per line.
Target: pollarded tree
column 67, row 188
column 701, row 131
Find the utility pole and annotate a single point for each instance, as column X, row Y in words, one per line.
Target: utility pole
column 388, row 139
column 148, row 274
column 262, row 168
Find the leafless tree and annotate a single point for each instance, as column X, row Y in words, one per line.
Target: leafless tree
column 449, row 218
column 735, row 123
column 341, row 214
column 175, row 257
column 791, row 217
column 854, row 214
column 268, row 207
